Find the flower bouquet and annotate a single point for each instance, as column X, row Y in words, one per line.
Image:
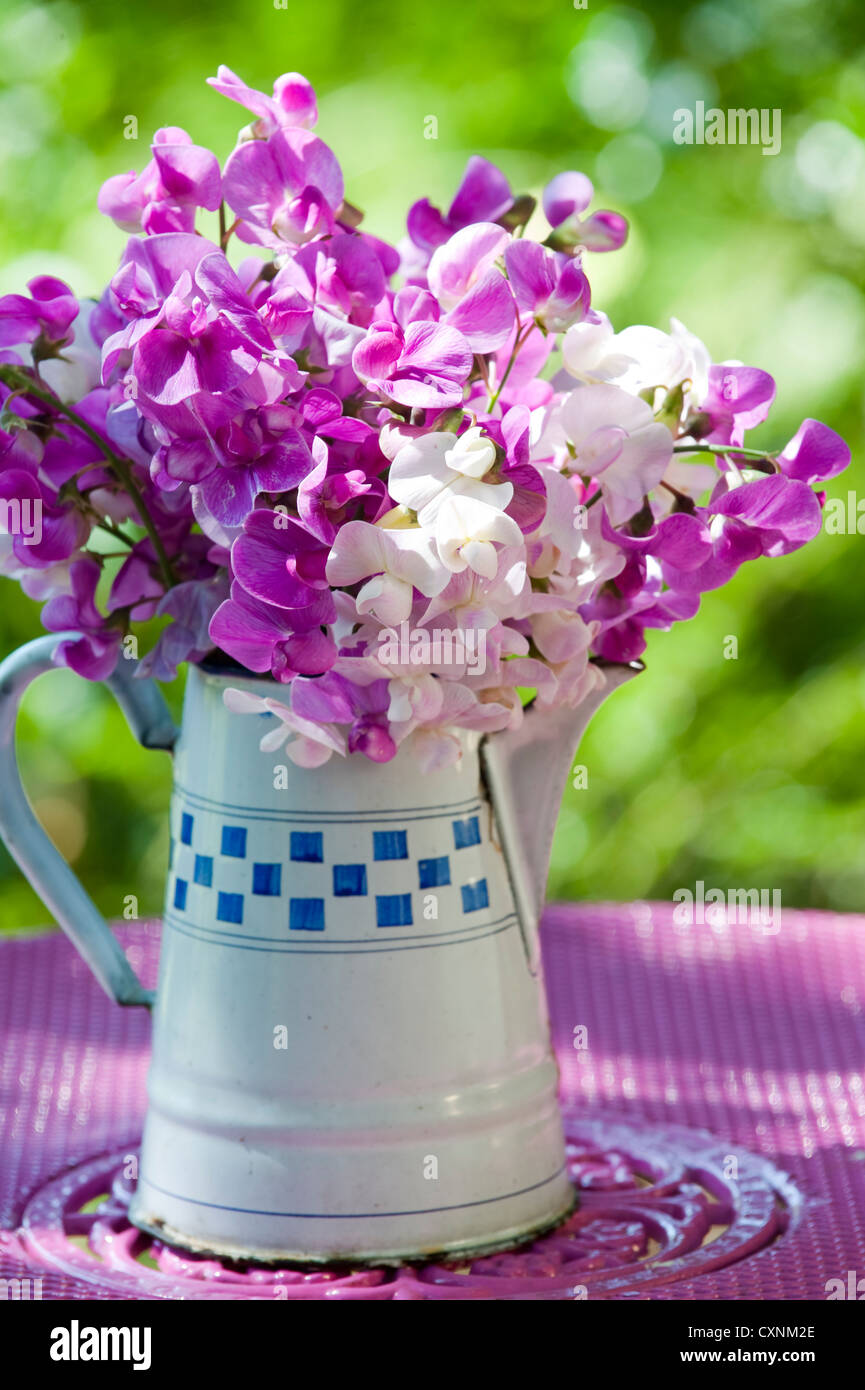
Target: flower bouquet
column 385, row 497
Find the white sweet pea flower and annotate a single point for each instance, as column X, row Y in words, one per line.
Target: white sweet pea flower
column 429, row 470
column 466, row 531
column 591, row 352
column 638, row 358
column 394, row 563
column 664, row 359
column 618, row 441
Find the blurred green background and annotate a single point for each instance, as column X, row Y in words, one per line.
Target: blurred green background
column 743, row 773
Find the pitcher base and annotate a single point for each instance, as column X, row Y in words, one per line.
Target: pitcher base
column 366, row 1259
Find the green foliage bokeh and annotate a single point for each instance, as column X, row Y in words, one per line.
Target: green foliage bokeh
column 742, row 772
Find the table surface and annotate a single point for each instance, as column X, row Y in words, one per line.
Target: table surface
column 757, row 1037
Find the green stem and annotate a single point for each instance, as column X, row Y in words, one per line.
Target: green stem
column 721, row 449
column 115, row 533
column 518, row 343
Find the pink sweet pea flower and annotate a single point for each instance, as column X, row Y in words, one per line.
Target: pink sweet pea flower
column 622, row 621
column 266, row 638
column 180, row 178
column 279, row 562
column 47, row 313
column 547, row 284
column 94, row 655
column 307, row 743
column 815, row 452
column 323, row 298
column 682, row 540
column 52, row 532
column 565, row 198
column 471, row 289
column 285, row 190
column 484, row 195
column 257, row 451
column 770, row 516
column 783, row 513
column 738, row 399
column 427, row 365
column 292, row 104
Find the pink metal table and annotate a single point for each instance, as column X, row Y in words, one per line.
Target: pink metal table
column 712, row 1086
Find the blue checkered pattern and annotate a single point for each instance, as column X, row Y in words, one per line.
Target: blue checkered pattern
column 392, row 877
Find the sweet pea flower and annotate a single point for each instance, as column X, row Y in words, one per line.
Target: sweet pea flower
column 617, row 441
column 204, row 342
column 468, row 285
column 590, row 352
column 550, row 286
column 622, row 621
column 466, row 533
column 737, row 399
column 285, row 190
column 191, row 606
column 254, row 453
column 278, row 561
column 323, row 298
column 564, row 199
column 94, row 654
column 332, row 494
column 293, row 102
column 484, row 195
column 46, row 314
column 180, row 178
column 769, row 516
column 663, row 359
column 48, row 532
column 682, row 540
column 393, row 562
column 361, row 704
column 266, row 638
column 782, row 513
column 307, row 743
column 429, row 469
column 424, row 366
column 815, row 452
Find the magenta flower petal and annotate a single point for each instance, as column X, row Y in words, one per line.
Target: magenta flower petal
column 814, row 452
column 604, row 231
column 484, row 194
column 427, row 227
column 566, row 195
column 188, row 173
column 783, row 511
column 738, row 399
column 375, row 357
column 532, row 272
column 487, row 313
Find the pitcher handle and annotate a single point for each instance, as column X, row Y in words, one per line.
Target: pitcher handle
column 149, row 719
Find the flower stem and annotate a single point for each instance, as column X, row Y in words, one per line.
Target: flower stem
column 722, row 450
column 518, row 343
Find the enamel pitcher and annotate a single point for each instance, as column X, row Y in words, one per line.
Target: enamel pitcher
column 351, row 1053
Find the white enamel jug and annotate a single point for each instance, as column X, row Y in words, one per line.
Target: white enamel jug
column 351, row 1054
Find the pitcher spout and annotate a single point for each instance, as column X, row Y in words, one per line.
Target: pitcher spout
column 525, row 770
